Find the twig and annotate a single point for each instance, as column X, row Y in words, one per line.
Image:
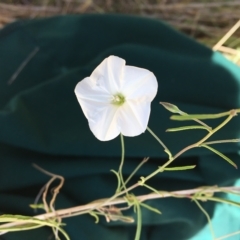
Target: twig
column 55, row 191
column 227, row 36
column 228, row 50
column 78, row 210
column 23, row 65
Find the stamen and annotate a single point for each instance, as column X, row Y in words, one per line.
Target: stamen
column 118, row 99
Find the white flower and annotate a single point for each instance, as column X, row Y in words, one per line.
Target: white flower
column 116, row 98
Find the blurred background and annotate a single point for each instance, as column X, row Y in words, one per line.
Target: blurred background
column 205, row 20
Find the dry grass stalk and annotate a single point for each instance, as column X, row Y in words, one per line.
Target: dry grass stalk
column 231, row 53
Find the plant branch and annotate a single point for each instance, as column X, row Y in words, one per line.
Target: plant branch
column 83, row 209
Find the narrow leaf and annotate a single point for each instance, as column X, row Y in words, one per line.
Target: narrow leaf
column 220, row 154
column 198, row 116
column 93, row 214
column 37, row 206
column 171, row 108
column 186, row 128
column 19, row 228
column 216, row 199
column 125, row 219
column 222, row 141
column 116, row 215
column 174, row 109
column 150, row 208
column 179, row 168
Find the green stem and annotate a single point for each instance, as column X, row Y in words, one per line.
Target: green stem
column 139, row 221
column 215, row 199
column 232, row 114
column 121, row 165
column 222, row 141
column 171, row 159
column 203, row 139
column 152, row 189
column 203, row 116
column 207, row 216
column 163, row 145
column 151, row 175
column 136, row 169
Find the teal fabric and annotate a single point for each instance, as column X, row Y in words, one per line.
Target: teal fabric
column 41, row 121
column 225, row 221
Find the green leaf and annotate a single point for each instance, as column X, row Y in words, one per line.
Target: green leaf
column 221, row 200
column 186, row 128
column 179, row 168
column 124, row 219
column 198, row 116
column 172, row 108
column 93, row 214
column 222, row 141
column 37, row 206
column 150, row 208
column 154, row 190
column 26, row 223
column 220, row 154
column 22, row 227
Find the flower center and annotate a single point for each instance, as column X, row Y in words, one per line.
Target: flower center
column 118, row 99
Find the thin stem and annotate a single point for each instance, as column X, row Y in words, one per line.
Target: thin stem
column 232, row 114
column 46, row 187
column 121, row 164
column 207, row 216
column 151, row 188
column 114, row 200
column 153, row 173
column 139, row 221
column 223, row 141
column 106, row 203
column 228, row 235
column 203, row 124
column 163, row 145
column 161, row 169
column 136, row 169
column 171, row 159
column 236, row 204
column 197, row 120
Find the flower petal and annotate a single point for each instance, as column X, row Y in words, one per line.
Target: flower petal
column 109, row 74
column 139, row 84
column 106, row 127
column 92, row 98
column 133, row 118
